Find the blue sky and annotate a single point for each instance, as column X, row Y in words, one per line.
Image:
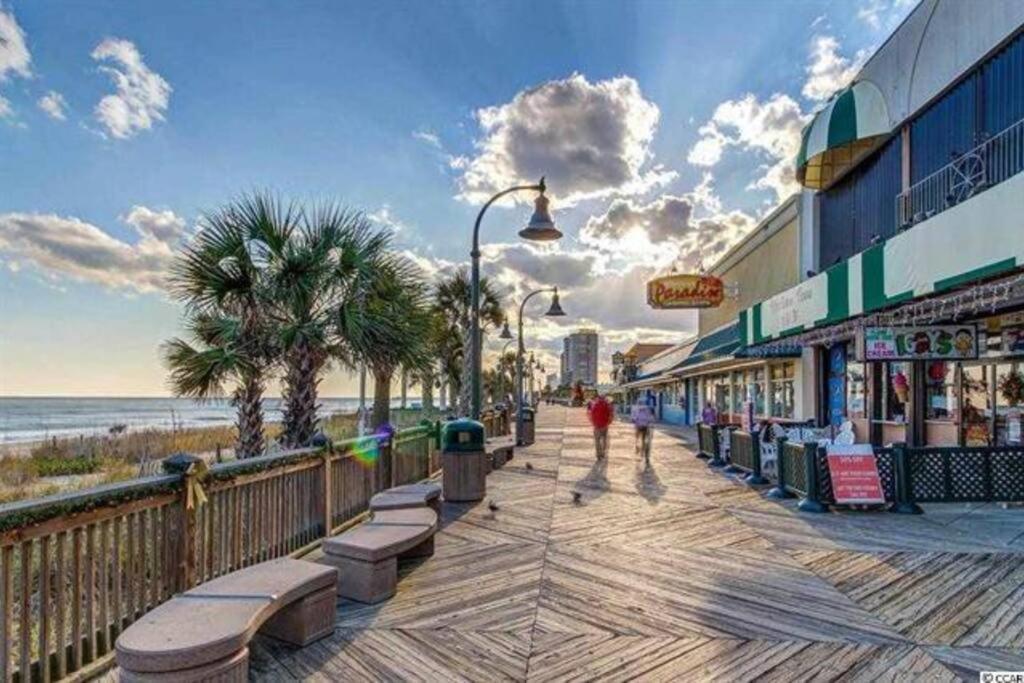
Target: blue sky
column 665, row 129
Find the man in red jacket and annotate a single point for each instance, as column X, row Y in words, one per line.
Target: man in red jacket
column 600, row 413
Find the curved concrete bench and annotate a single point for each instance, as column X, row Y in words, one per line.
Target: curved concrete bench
column 366, row 556
column 500, row 450
column 408, row 496
column 203, row 634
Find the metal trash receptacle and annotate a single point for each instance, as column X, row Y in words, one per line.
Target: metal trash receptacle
column 529, row 427
column 463, row 461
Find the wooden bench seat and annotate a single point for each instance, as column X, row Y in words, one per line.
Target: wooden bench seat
column 500, row 450
column 408, row 496
column 204, row 633
column 366, row 556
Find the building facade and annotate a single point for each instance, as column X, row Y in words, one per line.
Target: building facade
column 914, row 316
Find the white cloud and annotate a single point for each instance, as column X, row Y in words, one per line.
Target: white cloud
column 142, row 94
column 66, row 248
column 15, row 59
column 386, row 218
column 428, row 137
column 828, row 71
column 588, row 139
column 884, row 14
column 14, row 55
column 54, row 104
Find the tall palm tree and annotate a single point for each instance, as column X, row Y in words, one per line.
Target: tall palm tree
column 398, row 305
column 452, row 299
column 319, row 278
column 218, row 277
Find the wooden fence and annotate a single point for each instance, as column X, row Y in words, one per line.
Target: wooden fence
column 76, row 569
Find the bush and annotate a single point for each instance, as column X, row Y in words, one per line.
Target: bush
column 57, row 466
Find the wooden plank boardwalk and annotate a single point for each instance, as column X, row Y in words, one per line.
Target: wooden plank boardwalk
column 677, row 572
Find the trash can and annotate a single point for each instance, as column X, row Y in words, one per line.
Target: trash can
column 528, row 436
column 463, row 461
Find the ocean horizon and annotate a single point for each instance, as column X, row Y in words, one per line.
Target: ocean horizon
column 34, row 418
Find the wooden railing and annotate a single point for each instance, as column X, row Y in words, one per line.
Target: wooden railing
column 76, row 569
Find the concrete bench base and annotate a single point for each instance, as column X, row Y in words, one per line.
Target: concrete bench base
column 366, row 557
column 234, row 669
column 304, row 621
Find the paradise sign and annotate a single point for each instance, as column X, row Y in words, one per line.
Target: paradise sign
column 685, row 291
column 953, row 342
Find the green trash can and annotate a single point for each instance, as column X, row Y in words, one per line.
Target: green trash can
column 463, row 461
column 528, row 435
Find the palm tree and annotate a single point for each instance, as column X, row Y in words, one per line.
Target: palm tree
column 397, row 303
column 452, row 299
column 318, row 280
column 218, row 276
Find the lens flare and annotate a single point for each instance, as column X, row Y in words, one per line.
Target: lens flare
column 366, row 451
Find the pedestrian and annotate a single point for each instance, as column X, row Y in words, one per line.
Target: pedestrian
column 643, row 417
column 599, row 410
column 709, row 415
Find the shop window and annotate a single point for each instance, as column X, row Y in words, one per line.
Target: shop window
column 757, row 393
column 897, row 391
column 721, row 383
column 1009, row 403
column 856, row 390
column 976, row 411
column 940, row 390
column 739, row 393
column 836, row 385
column 783, row 388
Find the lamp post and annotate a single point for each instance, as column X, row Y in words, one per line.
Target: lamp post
column 541, row 229
column 506, row 334
column 554, row 311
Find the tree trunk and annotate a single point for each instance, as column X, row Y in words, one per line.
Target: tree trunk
column 405, row 388
column 443, row 396
column 381, row 398
column 300, row 395
column 427, row 390
column 249, row 420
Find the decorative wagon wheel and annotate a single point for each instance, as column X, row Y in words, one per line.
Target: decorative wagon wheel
column 968, row 176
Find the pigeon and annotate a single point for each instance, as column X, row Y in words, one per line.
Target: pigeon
column 576, row 496
column 492, row 506
column 529, row 466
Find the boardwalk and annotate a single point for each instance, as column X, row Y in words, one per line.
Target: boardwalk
column 678, row 573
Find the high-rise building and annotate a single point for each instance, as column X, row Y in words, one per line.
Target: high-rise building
column 579, row 358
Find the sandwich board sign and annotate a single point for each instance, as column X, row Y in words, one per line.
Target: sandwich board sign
column 854, row 474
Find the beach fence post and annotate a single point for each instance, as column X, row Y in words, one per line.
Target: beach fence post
column 189, row 467
column 327, row 453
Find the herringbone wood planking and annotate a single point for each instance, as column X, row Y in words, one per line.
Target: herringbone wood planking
column 674, row 573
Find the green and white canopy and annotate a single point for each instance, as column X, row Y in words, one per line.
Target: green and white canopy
column 852, row 125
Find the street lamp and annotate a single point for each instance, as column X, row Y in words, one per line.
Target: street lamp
column 501, row 362
column 540, row 229
column 554, row 311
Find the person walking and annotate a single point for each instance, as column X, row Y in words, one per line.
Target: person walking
column 642, row 417
column 599, row 410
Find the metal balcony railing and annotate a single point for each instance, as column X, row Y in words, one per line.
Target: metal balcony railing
column 990, row 163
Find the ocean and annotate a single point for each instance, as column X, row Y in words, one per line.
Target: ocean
column 33, row 419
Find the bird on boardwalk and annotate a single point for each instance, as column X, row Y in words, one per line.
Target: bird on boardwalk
column 529, row 465
column 576, row 496
column 492, row 506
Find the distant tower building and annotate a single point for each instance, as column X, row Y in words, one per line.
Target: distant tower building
column 565, row 374
column 580, row 358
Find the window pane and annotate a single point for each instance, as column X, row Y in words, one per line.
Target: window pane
column 940, row 390
column 897, row 392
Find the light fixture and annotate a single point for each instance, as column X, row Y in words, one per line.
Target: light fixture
column 505, row 332
column 540, row 228
column 556, row 307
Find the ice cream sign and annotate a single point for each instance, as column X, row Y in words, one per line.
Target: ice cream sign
column 953, row 342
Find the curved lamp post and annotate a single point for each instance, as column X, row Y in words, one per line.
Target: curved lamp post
column 507, row 335
column 555, row 310
column 540, row 229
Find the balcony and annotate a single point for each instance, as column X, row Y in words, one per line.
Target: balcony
column 990, row 163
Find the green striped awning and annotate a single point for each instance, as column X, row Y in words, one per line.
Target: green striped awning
column 853, row 124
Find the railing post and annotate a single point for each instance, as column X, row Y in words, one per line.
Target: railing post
column 328, row 493
column 904, row 504
column 716, row 445
column 389, row 458
column 811, row 502
column 190, row 468
column 756, row 478
column 779, row 490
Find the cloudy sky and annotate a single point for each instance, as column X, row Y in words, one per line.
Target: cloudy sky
column 665, row 129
